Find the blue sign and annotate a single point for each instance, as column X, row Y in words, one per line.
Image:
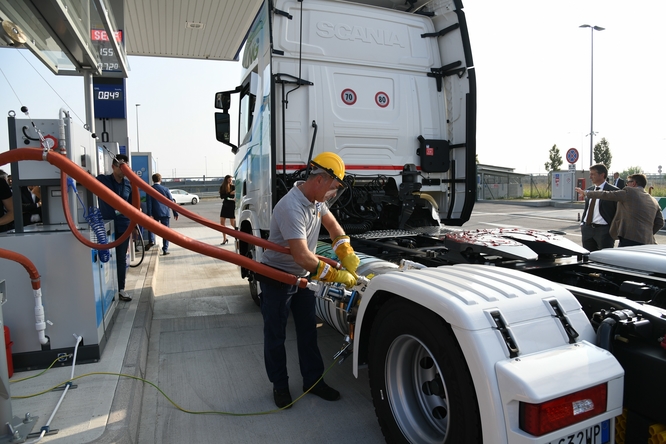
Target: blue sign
column 109, row 98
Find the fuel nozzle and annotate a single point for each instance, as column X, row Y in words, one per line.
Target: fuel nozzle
column 343, row 298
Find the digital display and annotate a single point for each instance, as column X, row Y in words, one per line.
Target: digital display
column 109, row 98
column 100, row 35
column 108, row 61
column 109, row 95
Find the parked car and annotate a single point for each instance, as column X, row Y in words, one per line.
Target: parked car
column 182, row 197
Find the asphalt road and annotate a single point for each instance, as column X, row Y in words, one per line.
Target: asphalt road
column 485, row 216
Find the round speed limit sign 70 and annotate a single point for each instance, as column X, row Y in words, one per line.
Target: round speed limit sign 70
column 348, row 96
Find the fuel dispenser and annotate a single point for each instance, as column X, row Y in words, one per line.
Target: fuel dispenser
column 79, row 288
column 580, row 183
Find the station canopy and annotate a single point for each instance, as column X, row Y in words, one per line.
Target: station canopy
column 71, row 37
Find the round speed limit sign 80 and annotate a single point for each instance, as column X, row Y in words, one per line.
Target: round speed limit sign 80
column 382, row 99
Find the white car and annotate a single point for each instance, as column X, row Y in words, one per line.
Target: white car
column 182, row 197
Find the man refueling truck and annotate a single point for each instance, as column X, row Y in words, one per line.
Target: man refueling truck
column 497, row 336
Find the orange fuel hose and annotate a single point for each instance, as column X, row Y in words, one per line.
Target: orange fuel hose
column 245, row 237
column 96, row 187
column 26, row 263
column 70, row 222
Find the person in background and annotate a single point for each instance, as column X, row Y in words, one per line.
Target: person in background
column 638, row 215
column 145, row 233
column 159, row 211
column 228, row 210
column 6, row 204
column 117, row 183
column 595, row 225
column 618, row 181
column 31, row 204
column 296, row 221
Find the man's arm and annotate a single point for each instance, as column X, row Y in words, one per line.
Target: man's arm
column 302, row 255
column 615, row 196
column 341, row 243
column 170, row 196
column 332, row 226
column 658, row 221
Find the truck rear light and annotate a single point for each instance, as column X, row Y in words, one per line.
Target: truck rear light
column 539, row 419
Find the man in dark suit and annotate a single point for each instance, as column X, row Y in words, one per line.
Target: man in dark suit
column 31, row 205
column 598, row 214
column 158, row 211
column 618, row 181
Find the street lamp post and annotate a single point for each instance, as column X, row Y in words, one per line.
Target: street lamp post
column 137, row 127
column 592, row 29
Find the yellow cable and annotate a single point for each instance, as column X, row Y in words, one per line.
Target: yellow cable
column 207, row 412
column 39, row 374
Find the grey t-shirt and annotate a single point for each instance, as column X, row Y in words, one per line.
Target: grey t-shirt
column 294, row 217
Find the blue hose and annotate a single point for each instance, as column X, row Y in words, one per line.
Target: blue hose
column 96, row 222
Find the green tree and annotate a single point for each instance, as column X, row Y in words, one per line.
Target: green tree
column 555, row 160
column 631, row 170
column 602, row 153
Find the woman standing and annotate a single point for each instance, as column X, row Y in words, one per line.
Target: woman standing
column 228, row 211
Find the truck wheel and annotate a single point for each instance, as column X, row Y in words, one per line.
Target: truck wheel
column 420, row 383
column 254, row 284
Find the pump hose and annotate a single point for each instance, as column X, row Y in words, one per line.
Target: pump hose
column 68, row 217
column 96, row 223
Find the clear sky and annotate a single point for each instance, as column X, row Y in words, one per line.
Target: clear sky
column 533, row 78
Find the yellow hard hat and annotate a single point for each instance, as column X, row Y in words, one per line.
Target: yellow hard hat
column 331, row 163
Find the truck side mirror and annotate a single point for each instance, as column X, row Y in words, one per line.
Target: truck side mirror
column 223, row 130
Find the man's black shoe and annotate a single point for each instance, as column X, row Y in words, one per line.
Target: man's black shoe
column 164, row 253
column 282, row 398
column 324, row 391
column 149, row 245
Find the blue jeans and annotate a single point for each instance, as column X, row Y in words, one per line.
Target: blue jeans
column 121, row 261
column 165, row 243
column 275, row 306
column 151, row 235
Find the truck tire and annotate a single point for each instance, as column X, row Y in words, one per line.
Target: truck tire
column 421, row 386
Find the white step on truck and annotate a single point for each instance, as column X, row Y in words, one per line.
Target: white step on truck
column 500, row 336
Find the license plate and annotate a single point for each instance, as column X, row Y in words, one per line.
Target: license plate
column 596, row 434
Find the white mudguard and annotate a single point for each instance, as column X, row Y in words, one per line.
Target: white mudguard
column 525, row 339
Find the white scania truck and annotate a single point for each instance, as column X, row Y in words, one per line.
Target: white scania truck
column 504, row 336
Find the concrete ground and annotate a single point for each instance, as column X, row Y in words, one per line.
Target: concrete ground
column 193, row 331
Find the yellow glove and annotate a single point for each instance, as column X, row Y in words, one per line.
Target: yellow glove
column 326, row 273
column 345, row 253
